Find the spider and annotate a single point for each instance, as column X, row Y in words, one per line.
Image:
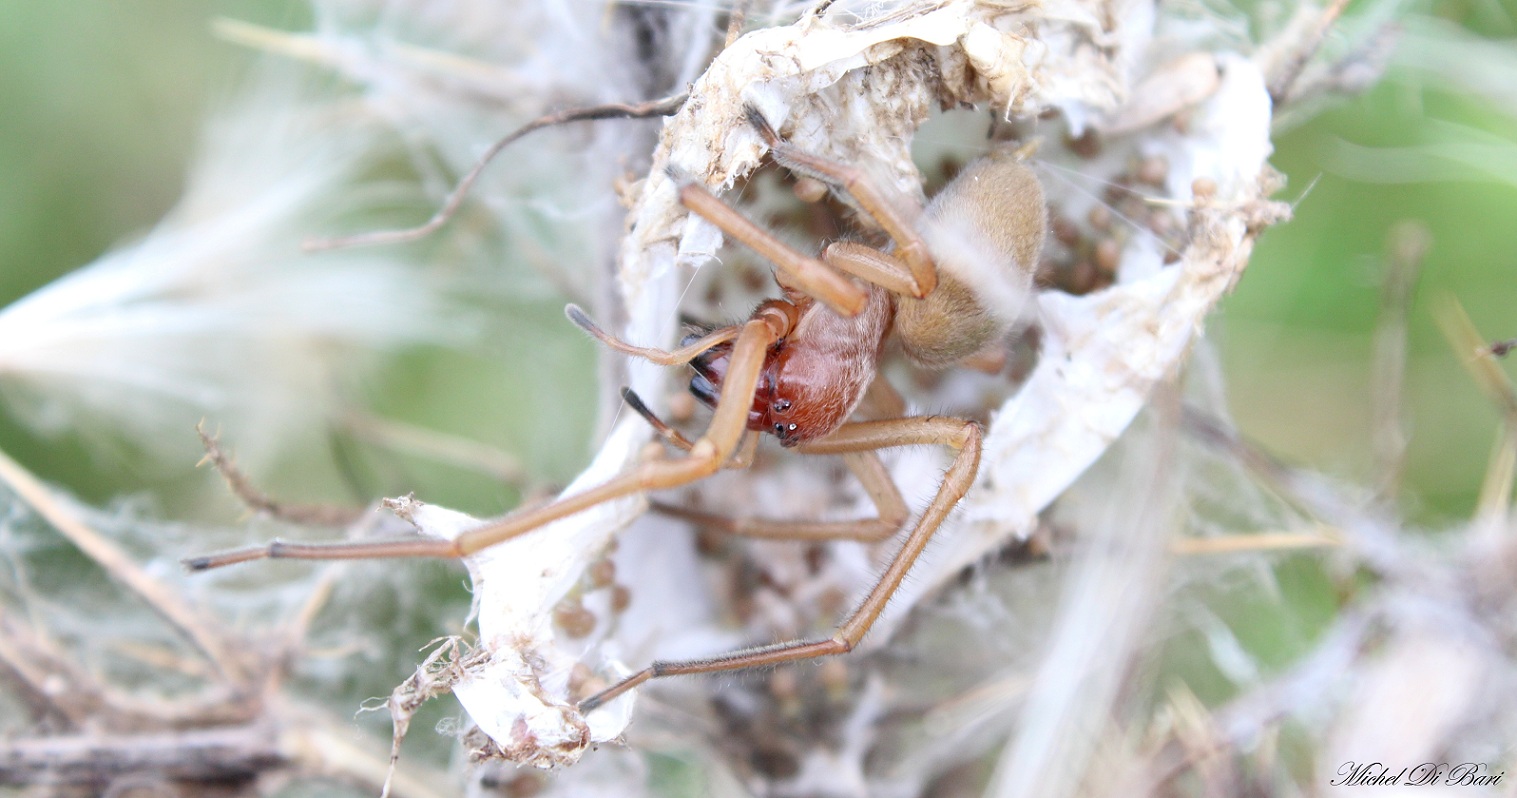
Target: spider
column 949, row 287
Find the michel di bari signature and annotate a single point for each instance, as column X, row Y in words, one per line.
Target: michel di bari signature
column 1427, row 774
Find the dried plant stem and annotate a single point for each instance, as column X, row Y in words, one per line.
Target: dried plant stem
column 660, row 107
column 329, row 749
column 298, row 47
column 1496, row 488
column 1409, row 243
column 299, row 625
column 115, row 562
column 1472, row 351
column 232, row 753
column 52, row 682
column 1256, row 542
column 164, row 658
column 228, row 753
column 1220, row 435
column 735, row 20
column 1306, row 686
column 1285, row 79
column 33, row 665
column 1114, row 588
column 242, row 487
column 438, row 446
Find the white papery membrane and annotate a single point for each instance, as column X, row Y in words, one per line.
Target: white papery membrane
column 857, row 92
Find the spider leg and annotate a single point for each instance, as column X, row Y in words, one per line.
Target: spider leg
column 881, row 401
column 867, row 263
column 891, row 511
column 894, row 211
column 742, row 459
column 706, row 456
column 959, row 434
column 809, row 274
column 675, row 357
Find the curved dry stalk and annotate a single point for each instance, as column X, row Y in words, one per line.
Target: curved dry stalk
column 663, row 106
column 168, row 605
column 241, row 486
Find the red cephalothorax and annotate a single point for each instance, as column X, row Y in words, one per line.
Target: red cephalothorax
column 814, row 377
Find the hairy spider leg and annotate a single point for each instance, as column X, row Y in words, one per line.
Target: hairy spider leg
column 890, row 512
column 890, row 506
column 673, row 357
column 742, row 459
column 893, row 211
column 706, row 456
column 868, row 263
column 805, row 272
column 959, row 434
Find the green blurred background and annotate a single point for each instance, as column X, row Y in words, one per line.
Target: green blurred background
column 104, row 101
column 107, row 102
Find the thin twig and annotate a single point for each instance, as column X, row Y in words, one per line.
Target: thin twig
column 1408, row 245
column 1263, row 541
column 1469, row 347
column 1305, row 687
column 439, row 446
column 1280, row 87
column 299, row 625
column 52, row 680
column 660, row 107
column 436, row 675
column 115, row 562
column 1494, row 505
column 1371, row 538
column 329, row 749
column 736, row 18
column 242, row 487
column 36, row 669
column 1501, row 473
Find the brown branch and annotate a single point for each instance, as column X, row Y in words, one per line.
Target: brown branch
column 242, row 487
column 736, row 18
column 660, row 107
column 220, row 754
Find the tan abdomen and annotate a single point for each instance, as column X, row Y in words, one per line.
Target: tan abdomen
column 985, row 231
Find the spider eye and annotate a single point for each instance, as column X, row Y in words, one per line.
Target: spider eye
column 780, row 405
